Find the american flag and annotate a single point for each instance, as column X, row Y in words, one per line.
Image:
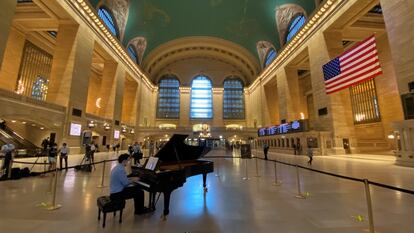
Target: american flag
column 358, row 64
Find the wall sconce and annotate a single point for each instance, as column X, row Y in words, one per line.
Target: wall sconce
column 91, row 124
column 106, row 126
column 132, row 131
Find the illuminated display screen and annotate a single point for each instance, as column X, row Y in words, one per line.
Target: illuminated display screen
column 294, row 126
column 75, row 129
column 116, row 134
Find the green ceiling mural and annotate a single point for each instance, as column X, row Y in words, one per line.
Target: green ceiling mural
column 241, row 21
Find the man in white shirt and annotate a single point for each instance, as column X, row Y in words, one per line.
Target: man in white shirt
column 64, row 152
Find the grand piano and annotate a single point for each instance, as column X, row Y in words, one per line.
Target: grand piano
column 177, row 161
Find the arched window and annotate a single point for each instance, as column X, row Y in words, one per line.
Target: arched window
column 233, row 99
column 168, row 98
column 270, row 56
column 109, row 20
column 294, row 26
column 39, row 89
column 133, row 53
column 201, row 98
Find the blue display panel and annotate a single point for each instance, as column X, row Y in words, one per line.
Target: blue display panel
column 291, row 127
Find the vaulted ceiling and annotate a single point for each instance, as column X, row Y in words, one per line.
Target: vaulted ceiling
column 242, row 22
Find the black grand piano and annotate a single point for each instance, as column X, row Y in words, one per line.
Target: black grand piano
column 177, row 161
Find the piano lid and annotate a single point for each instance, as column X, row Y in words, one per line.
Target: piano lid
column 184, row 151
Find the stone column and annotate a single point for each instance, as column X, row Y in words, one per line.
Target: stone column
column 114, row 100
column 11, row 60
column 398, row 21
column 218, row 107
column 184, row 107
column 69, row 43
column 288, row 94
column 138, row 99
column 398, row 16
column 107, row 89
column 338, row 121
column 6, row 15
column 71, row 83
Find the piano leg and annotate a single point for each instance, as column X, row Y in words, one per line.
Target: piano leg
column 167, row 195
column 204, row 182
column 153, row 200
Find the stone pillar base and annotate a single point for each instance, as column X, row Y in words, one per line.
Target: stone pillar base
column 405, row 159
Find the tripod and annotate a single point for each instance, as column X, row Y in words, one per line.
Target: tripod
column 87, row 162
column 38, row 155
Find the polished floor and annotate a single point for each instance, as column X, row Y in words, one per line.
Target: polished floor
column 231, row 204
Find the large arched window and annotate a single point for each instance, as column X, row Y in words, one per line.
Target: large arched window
column 233, row 99
column 109, row 20
column 201, row 98
column 270, row 56
column 294, row 26
column 168, row 98
column 133, row 53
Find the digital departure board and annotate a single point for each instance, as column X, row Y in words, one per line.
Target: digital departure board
column 291, row 127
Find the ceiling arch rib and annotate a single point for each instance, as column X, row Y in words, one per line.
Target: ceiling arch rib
column 237, row 57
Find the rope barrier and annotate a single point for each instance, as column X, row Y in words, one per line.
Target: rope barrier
column 345, row 177
column 403, row 190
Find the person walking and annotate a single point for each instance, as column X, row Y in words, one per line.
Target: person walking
column 265, row 150
column 310, row 155
column 64, row 152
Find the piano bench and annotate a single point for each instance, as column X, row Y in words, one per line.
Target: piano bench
column 106, row 205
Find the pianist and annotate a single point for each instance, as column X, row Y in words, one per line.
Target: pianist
column 122, row 188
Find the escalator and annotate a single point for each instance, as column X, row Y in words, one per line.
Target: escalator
column 23, row 146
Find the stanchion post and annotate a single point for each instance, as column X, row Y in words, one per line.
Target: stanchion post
column 218, row 168
column 276, row 182
column 246, row 177
column 54, row 206
column 369, row 206
column 103, row 175
column 10, row 169
column 257, row 167
column 299, row 195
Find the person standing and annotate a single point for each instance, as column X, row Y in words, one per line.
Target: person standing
column 121, row 188
column 265, row 150
column 53, row 150
column 294, row 149
column 7, row 150
column 45, row 145
column 64, row 152
column 136, row 153
column 92, row 152
column 310, row 155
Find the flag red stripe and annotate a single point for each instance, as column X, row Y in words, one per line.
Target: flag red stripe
column 369, row 56
column 355, row 70
column 358, row 51
column 351, row 50
column 360, row 54
column 356, row 75
column 354, row 82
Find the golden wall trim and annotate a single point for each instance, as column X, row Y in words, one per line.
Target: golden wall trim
column 315, row 22
column 88, row 14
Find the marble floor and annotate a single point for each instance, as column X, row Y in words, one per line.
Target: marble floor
column 231, row 204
